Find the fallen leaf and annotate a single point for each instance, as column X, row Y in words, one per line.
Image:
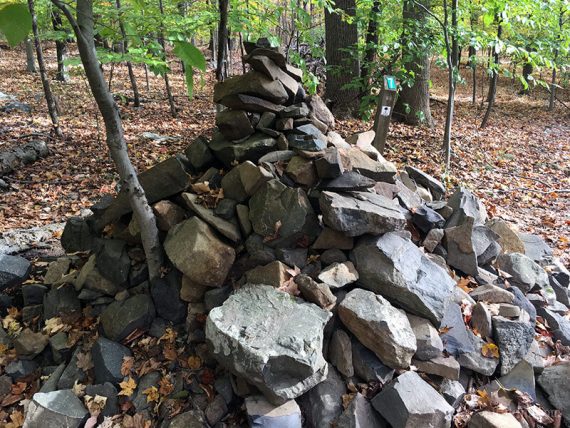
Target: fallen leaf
column 84, row 361
column 490, row 350
column 127, row 365
column 194, row 362
column 151, row 394
column 127, row 387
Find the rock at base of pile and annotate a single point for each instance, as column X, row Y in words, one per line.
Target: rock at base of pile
column 261, row 413
column 271, row 339
column 60, row 409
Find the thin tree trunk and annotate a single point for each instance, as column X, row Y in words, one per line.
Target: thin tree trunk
column 50, row 99
column 60, row 48
column 555, row 64
column 473, row 66
column 495, row 78
column 124, row 49
column 452, row 55
column 173, row 110
column 83, row 28
column 526, row 71
column 30, row 60
column 552, row 89
column 222, row 54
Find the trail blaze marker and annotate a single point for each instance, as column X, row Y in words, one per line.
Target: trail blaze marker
column 386, row 102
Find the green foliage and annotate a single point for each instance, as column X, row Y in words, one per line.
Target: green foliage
column 15, row 21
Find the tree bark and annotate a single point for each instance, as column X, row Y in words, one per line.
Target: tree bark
column 371, row 43
column 30, row 60
column 60, row 48
column 222, row 45
column 83, row 28
column 473, row 66
column 494, row 79
column 50, row 99
column 452, row 56
column 342, row 67
column 124, row 49
column 526, row 72
column 412, row 106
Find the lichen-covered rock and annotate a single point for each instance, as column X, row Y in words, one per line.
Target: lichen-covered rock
column 271, row 339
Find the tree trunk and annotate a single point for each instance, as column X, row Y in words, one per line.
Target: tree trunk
column 494, row 79
column 173, row 110
column 371, row 43
column 342, row 67
column 60, row 48
column 452, row 56
column 222, row 53
column 30, row 60
column 83, row 28
column 124, row 50
column 50, row 100
column 473, row 66
column 412, row 106
column 526, row 72
column 552, row 98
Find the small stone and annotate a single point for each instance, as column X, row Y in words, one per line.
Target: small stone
column 216, row 410
column 33, row 294
column 191, row 419
column 292, row 256
column 261, row 413
column 487, row 419
column 90, row 278
column 432, row 239
column 120, row 319
column 423, row 179
column 481, row 319
column 302, row 171
column 274, row 274
column 509, row 311
column 340, row 353
column 508, row 238
column 535, row 248
column 427, row 219
column 192, row 292
column 165, row 293
column 29, row 344
column 227, row 228
column 252, row 83
column 320, row 110
column 242, row 213
column 525, row 273
column 107, row 360
column 513, row 337
column 319, row 294
column 333, row 239
column 328, row 257
column 14, row 270
column 380, row 170
column 241, row 182
column 199, row 155
column 108, row 391
column 446, row 367
column 379, row 326
column 459, row 245
column 337, row 275
column 427, row 338
column 465, row 206
column 554, row 381
column 492, row 294
column 198, row 253
column 20, row 369
column 55, row 409
column 56, row 270
column 330, row 164
column 168, row 215
column 409, row 401
column 452, row 391
column 139, row 398
column 234, row 124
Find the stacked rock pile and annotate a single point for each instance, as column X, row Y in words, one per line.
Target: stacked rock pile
column 309, row 283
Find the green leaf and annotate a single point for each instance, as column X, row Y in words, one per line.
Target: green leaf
column 15, row 22
column 190, row 55
column 188, row 73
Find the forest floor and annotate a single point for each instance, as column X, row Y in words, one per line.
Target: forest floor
column 519, row 165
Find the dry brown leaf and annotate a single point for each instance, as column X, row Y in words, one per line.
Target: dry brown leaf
column 84, row 361
column 127, row 365
column 127, row 387
column 151, row 394
column 194, row 362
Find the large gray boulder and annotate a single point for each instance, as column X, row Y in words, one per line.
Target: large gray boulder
column 252, row 83
column 271, row 339
column 409, row 402
column 60, row 409
column 199, row 254
column 282, row 214
column 359, row 212
column 395, row 268
column 379, row 326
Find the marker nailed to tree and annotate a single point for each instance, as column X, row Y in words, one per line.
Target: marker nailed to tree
column 386, row 102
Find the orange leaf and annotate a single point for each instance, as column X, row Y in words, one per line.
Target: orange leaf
column 490, row 350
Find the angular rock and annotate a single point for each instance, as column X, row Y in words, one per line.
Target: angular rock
column 274, row 274
column 427, row 219
column 340, row 353
column 360, row 414
column 279, row 338
column 361, row 213
column 487, row 419
column 14, row 270
column 465, row 205
column 330, row 164
column 409, row 401
column 348, row 182
column 283, row 212
column 113, row 261
column 108, row 391
column 436, row 188
column 56, row 270
column 492, row 294
column 120, row 319
column 292, row 256
column 513, row 337
column 243, row 181
column 199, row 154
column 168, row 215
column 333, row 239
column 485, row 245
column 252, row 83
column 90, row 276
column 252, row 148
column 250, row 103
column 427, row 338
column 261, row 413
column 228, row 229
column 379, row 170
column 508, row 238
column 107, row 359
column 198, row 253
column 452, row 391
column 535, row 248
column 60, row 301
column 20, row 369
column 319, row 294
column 29, row 344
column 165, row 294
column 446, row 367
column 481, row 319
column 432, row 239
column 525, row 273
column 234, row 124
column 323, row 403
column 554, row 381
column 320, row 110
column 460, row 250
column 379, row 326
column 60, row 409
column 338, row 275
column 302, row 171
column 397, row 269
column 559, row 325
column 191, row 419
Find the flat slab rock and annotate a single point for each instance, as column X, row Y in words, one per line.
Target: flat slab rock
column 395, row 268
column 55, row 409
column 271, row 339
